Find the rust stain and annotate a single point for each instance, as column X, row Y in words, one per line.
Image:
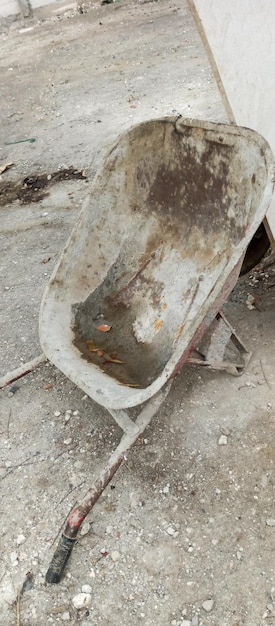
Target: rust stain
column 158, row 324
column 179, row 331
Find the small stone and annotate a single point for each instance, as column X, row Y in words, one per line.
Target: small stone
column 170, row 531
column 270, row 607
column 270, row 521
column 222, row 440
column 85, row 528
column 249, row 301
column 166, row 489
column 115, row 556
column 207, row 605
column 57, row 414
column 185, row 622
column 13, row 557
column 82, row 600
column 195, row 620
column 86, row 589
column 265, row 481
column 65, row 616
column 20, row 539
column 75, row 413
column 68, row 441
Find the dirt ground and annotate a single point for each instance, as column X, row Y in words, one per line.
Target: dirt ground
column 184, row 535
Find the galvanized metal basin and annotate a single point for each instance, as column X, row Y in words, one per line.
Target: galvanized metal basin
column 168, row 219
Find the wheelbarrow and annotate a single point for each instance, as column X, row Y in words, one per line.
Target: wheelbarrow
column 153, row 256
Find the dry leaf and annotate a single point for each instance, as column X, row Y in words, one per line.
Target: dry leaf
column 5, row 167
column 91, row 346
column 109, row 359
column 104, row 328
column 130, row 384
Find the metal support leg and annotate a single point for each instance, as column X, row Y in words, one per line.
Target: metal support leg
column 124, row 421
column 211, row 353
column 78, row 515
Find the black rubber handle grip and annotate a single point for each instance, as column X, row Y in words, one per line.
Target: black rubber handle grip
column 59, row 560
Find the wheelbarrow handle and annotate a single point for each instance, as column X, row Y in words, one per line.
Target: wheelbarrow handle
column 59, row 560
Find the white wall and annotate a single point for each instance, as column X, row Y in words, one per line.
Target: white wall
column 11, row 7
column 241, row 38
column 8, row 7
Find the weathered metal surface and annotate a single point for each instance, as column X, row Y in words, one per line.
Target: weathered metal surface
column 219, row 339
column 154, row 254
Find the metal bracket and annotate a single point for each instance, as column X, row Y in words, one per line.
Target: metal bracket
column 211, row 352
column 124, row 421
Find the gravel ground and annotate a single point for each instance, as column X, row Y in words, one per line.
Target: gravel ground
column 184, row 534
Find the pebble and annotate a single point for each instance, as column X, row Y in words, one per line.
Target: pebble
column 171, row 531
column 66, row 616
column 270, row 521
column 195, row 620
column 115, row 556
column 13, row 556
column 57, row 414
column 20, row 539
column 68, row 441
column 109, row 530
column 82, row 600
column 166, row 489
column 265, row 480
column 85, row 528
column 207, row 605
column 222, row 440
column 185, row 622
column 86, row 589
